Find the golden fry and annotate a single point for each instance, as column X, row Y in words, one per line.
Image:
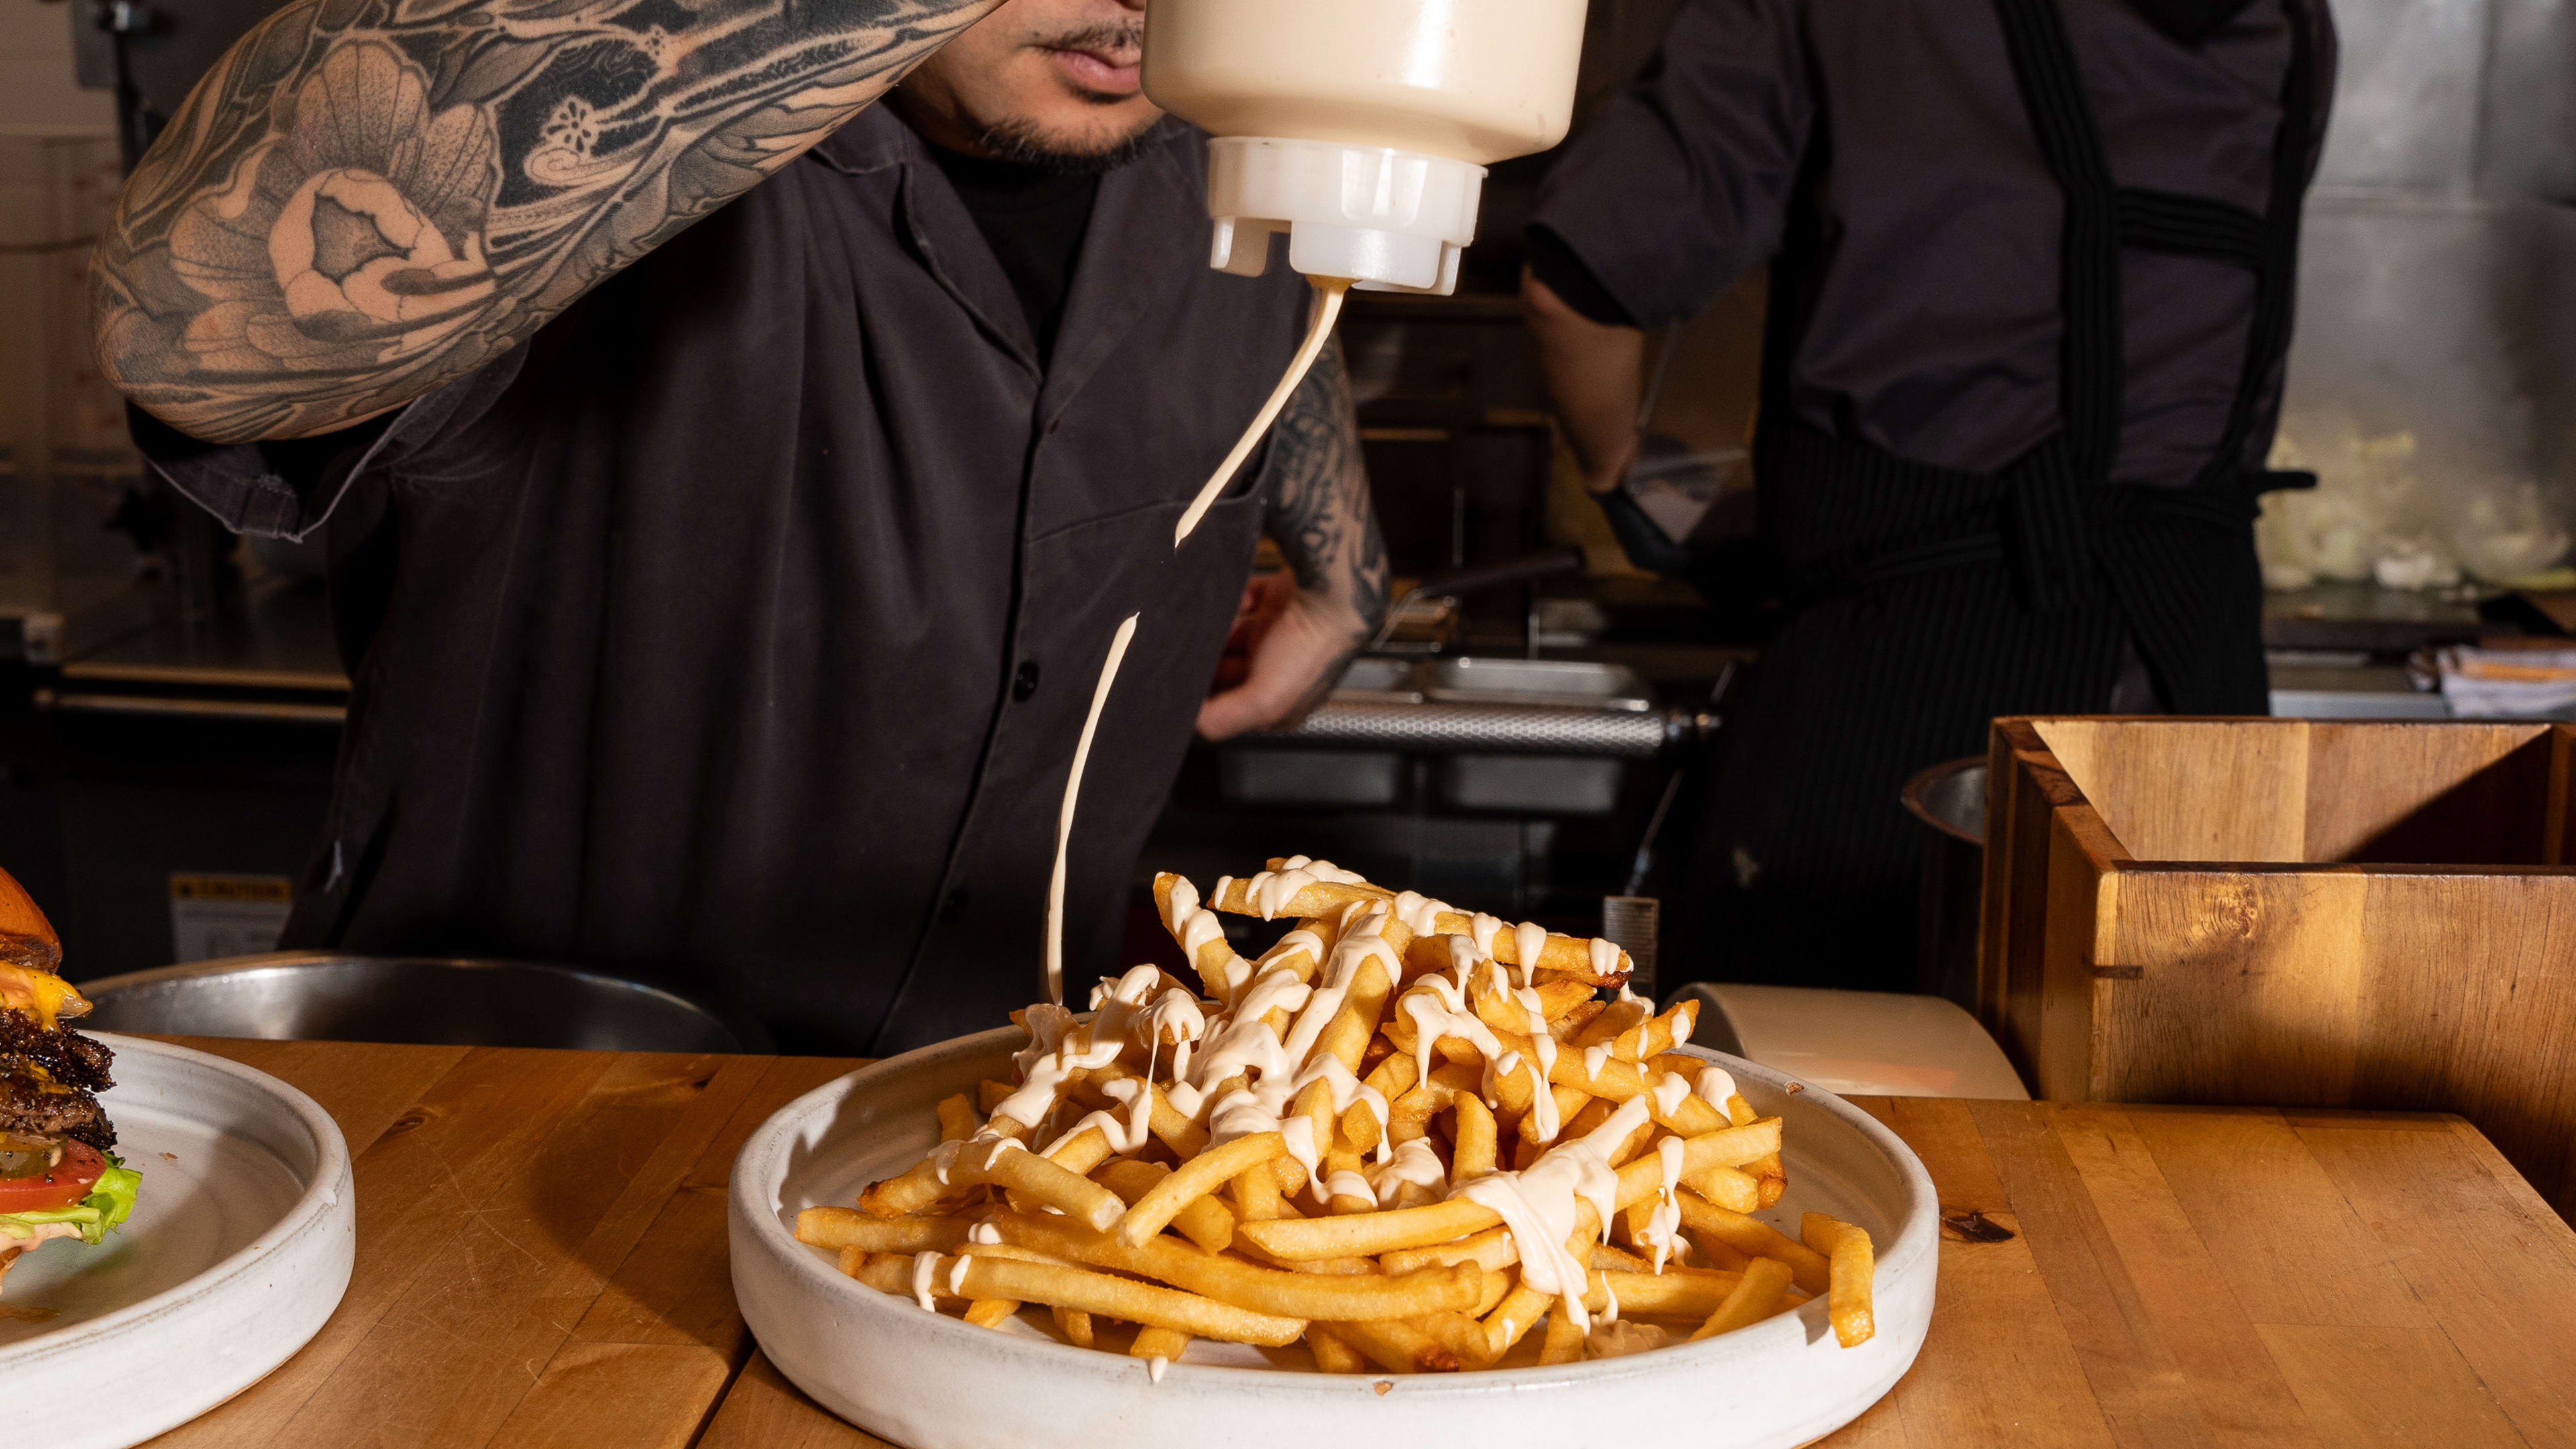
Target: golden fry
column 1754, row 1238
column 1847, row 1295
column 1332, row 1355
column 1195, row 1179
column 1761, row 1292
column 1331, row 1297
column 833, row 1227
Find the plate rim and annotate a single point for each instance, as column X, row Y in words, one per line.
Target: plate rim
column 1916, row 1245
column 332, row 1182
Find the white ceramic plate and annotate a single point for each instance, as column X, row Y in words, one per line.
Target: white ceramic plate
column 928, row 1381
column 238, row 1250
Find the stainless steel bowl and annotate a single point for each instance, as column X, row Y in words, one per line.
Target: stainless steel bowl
column 1950, row 800
column 319, row 996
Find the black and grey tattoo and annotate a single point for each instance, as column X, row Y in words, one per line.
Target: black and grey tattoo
column 367, row 198
column 1318, row 510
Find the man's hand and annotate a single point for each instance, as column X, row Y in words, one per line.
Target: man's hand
column 1286, row 651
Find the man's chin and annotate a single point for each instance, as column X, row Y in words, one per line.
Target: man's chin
column 1024, row 142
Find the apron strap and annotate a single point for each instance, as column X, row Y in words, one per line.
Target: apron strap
column 2276, row 275
column 2056, row 488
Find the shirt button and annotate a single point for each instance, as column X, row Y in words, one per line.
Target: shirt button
column 1025, row 682
column 953, row 908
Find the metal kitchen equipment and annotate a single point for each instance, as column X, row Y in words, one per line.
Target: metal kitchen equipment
column 1526, row 736
column 1449, row 587
column 319, row 996
column 1950, row 800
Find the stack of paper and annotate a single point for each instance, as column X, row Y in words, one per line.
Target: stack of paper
column 2509, row 683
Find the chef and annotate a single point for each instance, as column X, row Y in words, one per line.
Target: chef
column 2031, row 266
column 723, row 600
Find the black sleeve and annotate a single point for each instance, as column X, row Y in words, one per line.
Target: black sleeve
column 1555, row 263
column 1684, row 184
column 287, row 488
column 281, row 489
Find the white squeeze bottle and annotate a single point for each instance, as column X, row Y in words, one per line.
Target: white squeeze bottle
column 1362, row 129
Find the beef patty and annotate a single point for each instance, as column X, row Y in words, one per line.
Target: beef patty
column 75, row 1060
column 27, row 1106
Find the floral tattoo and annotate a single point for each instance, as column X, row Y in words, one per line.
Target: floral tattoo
column 367, row 198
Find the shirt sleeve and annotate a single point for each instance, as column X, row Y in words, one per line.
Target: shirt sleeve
column 288, row 488
column 1684, row 183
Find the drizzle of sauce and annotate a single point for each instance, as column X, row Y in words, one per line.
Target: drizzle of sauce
column 924, row 1267
column 1538, row 1205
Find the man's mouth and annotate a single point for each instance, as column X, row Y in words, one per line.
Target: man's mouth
column 1106, row 70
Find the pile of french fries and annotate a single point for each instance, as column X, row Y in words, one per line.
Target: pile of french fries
column 1411, row 1139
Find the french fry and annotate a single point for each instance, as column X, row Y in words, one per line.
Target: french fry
column 1475, row 1150
column 1754, row 1238
column 1257, row 1198
column 1166, row 1344
column 1073, row 1323
column 1492, row 1249
column 1761, row 1292
column 1204, row 1222
column 1727, row 1147
column 1369, row 1234
column 1564, row 1342
column 1025, row 1174
column 1195, row 1179
column 1512, row 1319
column 1331, row 1297
column 1847, row 1298
column 1332, row 1355
column 1616, row 1018
column 837, row 1227
column 1728, row 1187
column 1150, row 1304
column 989, row 1312
column 1397, row 1347
column 958, row 1118
column 1315, row 899
column 1667, row 1294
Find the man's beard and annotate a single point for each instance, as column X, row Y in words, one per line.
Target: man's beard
column 1020, row 142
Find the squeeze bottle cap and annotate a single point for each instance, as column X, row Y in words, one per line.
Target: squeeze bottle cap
column 1392, row 221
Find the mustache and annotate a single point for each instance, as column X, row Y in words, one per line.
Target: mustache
column 1112, row 37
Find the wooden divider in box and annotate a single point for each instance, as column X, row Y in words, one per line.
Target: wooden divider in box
column 2313, row 914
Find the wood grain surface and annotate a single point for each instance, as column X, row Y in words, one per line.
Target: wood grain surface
column 2330, row 914
column 541, row 1262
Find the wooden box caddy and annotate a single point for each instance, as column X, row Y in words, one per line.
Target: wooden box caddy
column 2291, row 912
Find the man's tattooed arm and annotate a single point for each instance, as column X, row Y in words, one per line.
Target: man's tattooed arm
column 367, row 198
column 1318, row 510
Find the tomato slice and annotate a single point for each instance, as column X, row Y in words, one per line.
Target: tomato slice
column 66, row 1183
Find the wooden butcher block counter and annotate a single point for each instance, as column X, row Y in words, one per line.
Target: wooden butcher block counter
column 541, row 1262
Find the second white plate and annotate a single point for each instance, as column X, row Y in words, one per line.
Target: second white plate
column 239, row 1249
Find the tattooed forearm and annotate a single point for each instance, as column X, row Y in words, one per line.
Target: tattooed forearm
column 367, row 198
column 1318, row 508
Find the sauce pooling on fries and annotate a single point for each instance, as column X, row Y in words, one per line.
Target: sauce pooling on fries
column 1405, row 1135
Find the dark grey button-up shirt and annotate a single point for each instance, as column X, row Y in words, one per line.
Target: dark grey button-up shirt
column 701, row 613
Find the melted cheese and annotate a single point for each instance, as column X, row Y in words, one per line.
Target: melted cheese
column 41, row 994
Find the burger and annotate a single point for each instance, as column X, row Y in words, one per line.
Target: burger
column 59, row 1177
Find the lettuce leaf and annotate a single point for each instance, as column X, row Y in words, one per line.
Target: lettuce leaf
column 109, row 1204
